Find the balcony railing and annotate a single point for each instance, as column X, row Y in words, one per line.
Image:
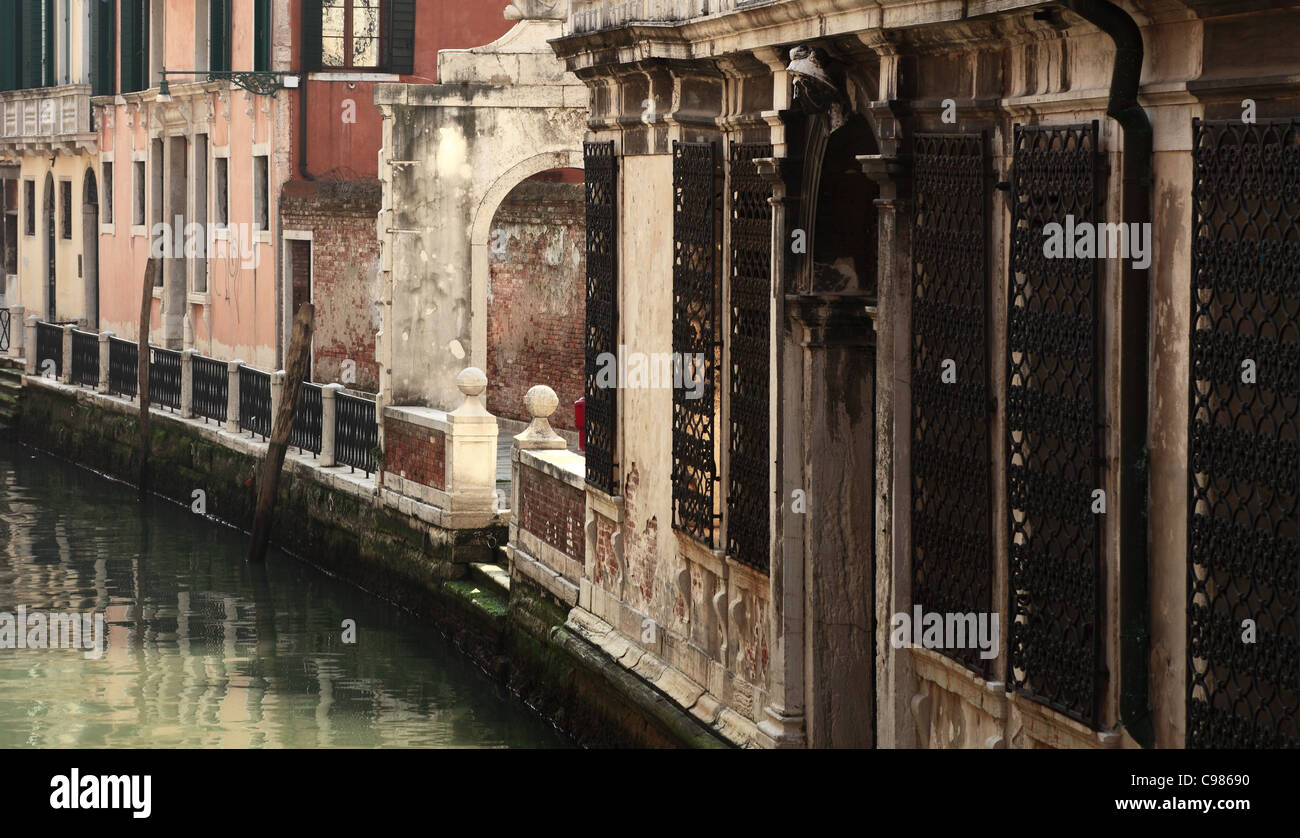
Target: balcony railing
column 46, row 115
column 595, row 15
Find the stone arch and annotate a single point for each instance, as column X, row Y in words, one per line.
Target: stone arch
column 481, row 231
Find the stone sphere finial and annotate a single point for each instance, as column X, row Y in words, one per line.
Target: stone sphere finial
column 472, row 381
column 541, row 401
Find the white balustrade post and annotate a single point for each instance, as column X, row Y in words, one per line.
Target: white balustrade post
column 232, row 396
column 277, row 394
column 105, row 353
column 66, row 375
column 187, row 383
column 472, row 448
column 328, row 414
column 17, row 331
column 33, row 363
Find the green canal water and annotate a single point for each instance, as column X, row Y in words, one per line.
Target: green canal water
column 203, row 650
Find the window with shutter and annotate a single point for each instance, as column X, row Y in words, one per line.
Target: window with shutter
column 135, row 45
column 31, row 43
column 102, row 53
column 219, row 35
column 10, row 47
column 399, row 54
column 262, row 35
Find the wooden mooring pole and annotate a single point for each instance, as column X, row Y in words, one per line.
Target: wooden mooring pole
column 297, row 370
column 142, row 372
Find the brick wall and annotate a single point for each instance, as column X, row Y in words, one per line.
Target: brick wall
column 553, row 511
column 415, row 453
column 345, row 273
column 537, row 298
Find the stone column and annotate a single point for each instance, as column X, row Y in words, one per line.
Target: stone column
column 277, row 392
column 540, row 401
column 105, row 354
column 328, row 412
column 471, row 448
column 66, row 375
column 232, row 396
column 33, row 363
column 17, row 331
column 836, row 425
column 187, row 383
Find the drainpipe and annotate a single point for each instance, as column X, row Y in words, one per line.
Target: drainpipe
column 1135, row 297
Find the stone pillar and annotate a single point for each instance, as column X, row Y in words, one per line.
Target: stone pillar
column 105, row 353
column 232, row 396
column 33, row 364
column 836, row 425
column 66, row 374
column 17, row 331
column 187, row 383
column 540, row 401
column 471, row 465
column 328, row 412
column 277, row 392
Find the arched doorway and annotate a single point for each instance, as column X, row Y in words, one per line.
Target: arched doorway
column 90, row 247
column 51, row 288
column 536, row 262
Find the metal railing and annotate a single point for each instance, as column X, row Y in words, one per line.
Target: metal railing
column 255, row 401
column 4, row 329
column 85, row 358
column 49, row 347
column 165, row 377
column 211, row 388
column 308, row 419
column 123, row 367
column 356, row 432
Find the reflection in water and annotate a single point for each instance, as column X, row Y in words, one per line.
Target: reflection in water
column 204, row 650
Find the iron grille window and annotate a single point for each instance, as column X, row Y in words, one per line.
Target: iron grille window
column 1244, row 458
column 695, row 338
column 85, row 358
column 600, row 397
column 1052, row 430
column 952, row 474
column 211, row 388
column 749, row 482
column 123, row 367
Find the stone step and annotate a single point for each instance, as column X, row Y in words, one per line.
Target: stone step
column 491, row 576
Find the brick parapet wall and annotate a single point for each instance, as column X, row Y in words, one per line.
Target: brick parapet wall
column 553, row 511
column 415, row 453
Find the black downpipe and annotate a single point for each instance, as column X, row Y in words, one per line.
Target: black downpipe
column 1135, row 305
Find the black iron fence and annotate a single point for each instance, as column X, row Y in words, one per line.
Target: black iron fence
column 211, row 388
column 165, row 377
column 49, row 348
column 307, row 419
column 356, row 432
column 85, row 358
column 4, row 329
column 123, row 364
column 255, row 401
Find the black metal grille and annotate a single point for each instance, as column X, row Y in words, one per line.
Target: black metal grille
column 695, row 337
column 306, row 433
column 255, row 401
column 1052, row 430
column 1244, row 455
column 165, row 377
column 749, row 482
column 952, row 474
column 600, row 391
column 356, row 432
column 123, row 367
column 5, row 318
column 211, row 382
column 85, row 358
column 49, row 347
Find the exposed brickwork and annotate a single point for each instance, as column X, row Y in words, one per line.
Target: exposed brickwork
column 415, row 453
column 536, row 298
column 345, row 268
column 553, row 511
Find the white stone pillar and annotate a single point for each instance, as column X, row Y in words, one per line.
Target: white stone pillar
column 33, row 364
column 277, row 395
column 471, row 448
column 66, row 375
column 187, row 383
column 104, row 355
column 17, row 331
column 232, row 396
column 328, row 412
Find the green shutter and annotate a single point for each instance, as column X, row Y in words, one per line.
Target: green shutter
column 127, row 80
column 311, row 34
column 262, row 35
column 48, row 60
column 135, row 45
column 102, row 39
column 399, row 37
column 11, row 70
column 219, row 35
column 31, row 45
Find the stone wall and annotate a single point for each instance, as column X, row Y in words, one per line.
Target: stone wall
column 415, row 453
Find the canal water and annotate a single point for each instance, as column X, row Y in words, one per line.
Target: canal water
column 203, row 650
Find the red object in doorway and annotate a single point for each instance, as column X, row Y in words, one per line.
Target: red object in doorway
column 580, row 419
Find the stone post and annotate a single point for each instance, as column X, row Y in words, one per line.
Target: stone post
column 105, row 353
column 232, row 396
column 328, row 408
column 471, row 465
column 187, row 383
column 66, row 375
column 33, row 363
column 277, row 391
column 540, row 402
column 17, row 331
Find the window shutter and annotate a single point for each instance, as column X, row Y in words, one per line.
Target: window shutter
column 102, row 39
column 399, row 37
column 11, row 70
column 262, row 35
column 31, row 45
column 48, row 59
column 311, row 35
column 219, row 35
column 129, row 44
